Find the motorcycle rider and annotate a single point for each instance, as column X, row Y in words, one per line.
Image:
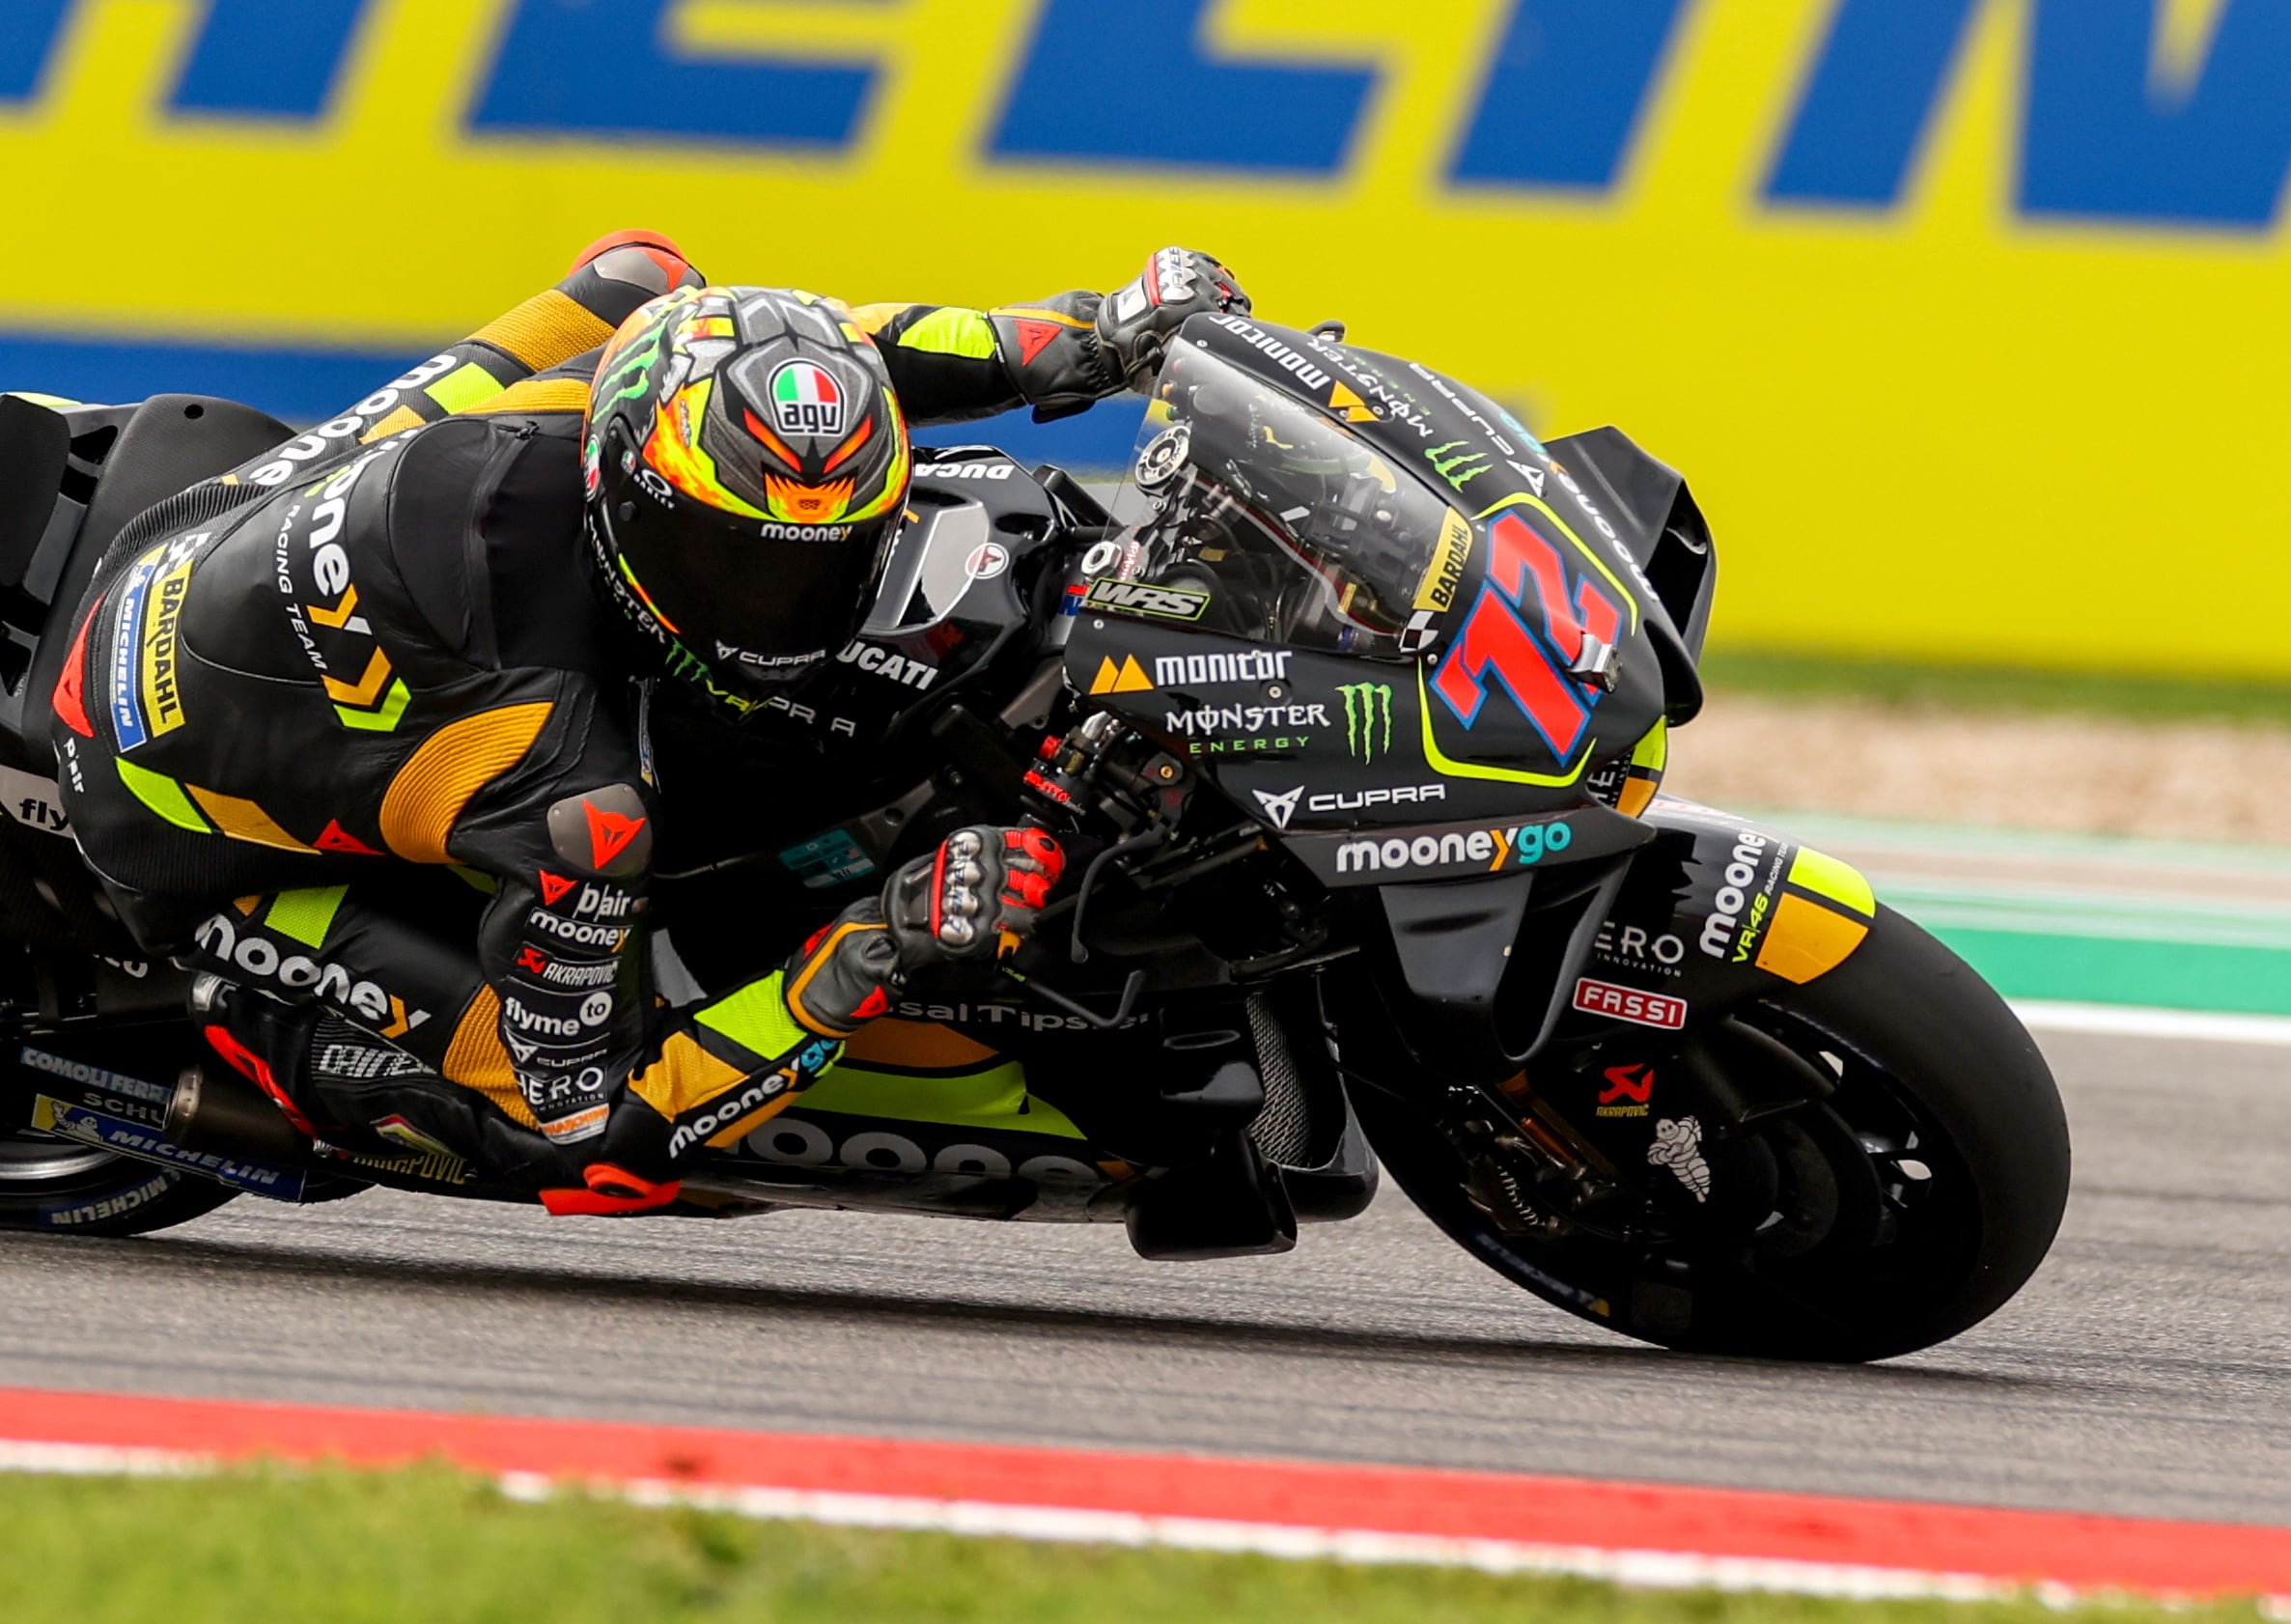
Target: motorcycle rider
column 362, row 724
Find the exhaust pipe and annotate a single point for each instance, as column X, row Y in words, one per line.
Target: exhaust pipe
column 216, row 1110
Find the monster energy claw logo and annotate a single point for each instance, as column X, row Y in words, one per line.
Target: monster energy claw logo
column 1461, row 468
column 1367, row 708
column 631, row 371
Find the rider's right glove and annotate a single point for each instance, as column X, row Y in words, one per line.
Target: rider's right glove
column 973, row 899
column 1138, row 319
column 1066, row 352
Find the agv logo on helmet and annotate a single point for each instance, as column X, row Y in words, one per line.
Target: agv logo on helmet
column 805, row 400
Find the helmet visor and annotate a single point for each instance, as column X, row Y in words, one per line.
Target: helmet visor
column 758, row 609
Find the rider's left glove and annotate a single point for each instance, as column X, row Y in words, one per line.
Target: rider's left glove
column 973, row 899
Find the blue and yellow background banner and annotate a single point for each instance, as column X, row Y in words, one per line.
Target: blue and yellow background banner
column 1969, row 320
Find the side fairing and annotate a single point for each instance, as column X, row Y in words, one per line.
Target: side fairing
column 1716, row 909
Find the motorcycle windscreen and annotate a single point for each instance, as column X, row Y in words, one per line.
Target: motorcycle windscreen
column 1300, row 532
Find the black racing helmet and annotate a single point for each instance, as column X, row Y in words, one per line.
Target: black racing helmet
column 746, row 466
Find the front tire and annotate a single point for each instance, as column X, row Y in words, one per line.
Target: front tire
column 1909, row 1204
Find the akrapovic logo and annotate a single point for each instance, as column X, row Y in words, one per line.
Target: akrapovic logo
column 560, row 974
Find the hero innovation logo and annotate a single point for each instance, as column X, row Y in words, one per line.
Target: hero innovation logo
column 1367, row 719
column 805, row 400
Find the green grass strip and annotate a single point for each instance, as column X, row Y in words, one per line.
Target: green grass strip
column 1972, row 688
column 2098, row 970
column 429, row 1547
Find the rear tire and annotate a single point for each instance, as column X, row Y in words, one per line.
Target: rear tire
column 62, row 1186
column 1908, row 1206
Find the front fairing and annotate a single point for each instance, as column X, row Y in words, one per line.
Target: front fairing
column 1421, row 691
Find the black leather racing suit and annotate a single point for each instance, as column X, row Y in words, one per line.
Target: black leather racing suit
column 350, row 727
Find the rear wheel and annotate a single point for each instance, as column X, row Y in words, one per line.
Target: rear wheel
column 1854, row 1168
column 61, row 1185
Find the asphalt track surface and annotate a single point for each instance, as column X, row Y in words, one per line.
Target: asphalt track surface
column 2147, row 1370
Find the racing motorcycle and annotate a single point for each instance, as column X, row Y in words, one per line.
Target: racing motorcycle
column 1352, row 702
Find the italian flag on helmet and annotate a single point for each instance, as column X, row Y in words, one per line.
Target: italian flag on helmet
column 806, row 400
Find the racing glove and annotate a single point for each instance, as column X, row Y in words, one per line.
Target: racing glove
column 1136, row 321
column 1066, row 352
column 973, row 899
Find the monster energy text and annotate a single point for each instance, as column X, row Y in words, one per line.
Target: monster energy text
column 1367, row 710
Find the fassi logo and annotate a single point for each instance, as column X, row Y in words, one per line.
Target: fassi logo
column 1629, row 1003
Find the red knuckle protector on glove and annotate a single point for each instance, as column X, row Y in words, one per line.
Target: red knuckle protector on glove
column 1026, row 890
column 1049, row 856
column 968, row 899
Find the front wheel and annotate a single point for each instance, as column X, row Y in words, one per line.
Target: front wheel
column 1850, row 1169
